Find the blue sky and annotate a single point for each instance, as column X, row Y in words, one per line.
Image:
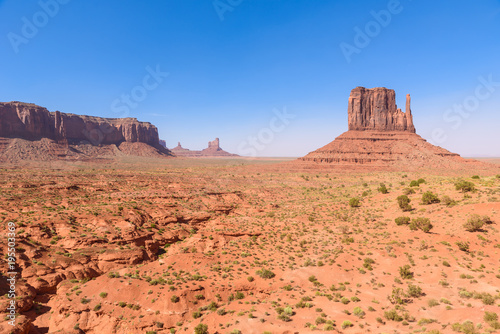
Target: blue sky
column 233, row 64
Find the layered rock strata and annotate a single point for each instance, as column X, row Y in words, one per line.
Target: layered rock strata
column 35, row 128
column 382, row 135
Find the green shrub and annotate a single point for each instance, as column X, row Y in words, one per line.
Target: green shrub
column 494, row 324
column 425, row 321
column 465, row 186
column 359, row 312
column 212, row 306
column 448, row 201
column 367, row 263
column 409, row 191
column 421, row 223
column 463, row 246
column 432, row 302
column 264, row 273
column 345, row 300
column 404, row 203
column 354, row 202
column 414, row 184
column 283, row 317
column 392, row 315
column 476, row 177
column 397, row 297
column 329, row 327
column 402, row 221
column 429, row 198
column 288, row 310
column 347, row 324
column 383, row 189
column 420, row 181
column 490, row 316
column 201, row 329
column 414, row 291
column 467, row 327
column 487, row 299
column 474, row 223
column 405, row 272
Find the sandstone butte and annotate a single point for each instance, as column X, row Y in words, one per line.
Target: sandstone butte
column 381, row 136
column 31, row 132
column 213, row 150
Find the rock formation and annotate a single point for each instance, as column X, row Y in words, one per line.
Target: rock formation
column 25, row 121
column 213, row 150
column 376, row 109
column 181, row 151
column 381, row 135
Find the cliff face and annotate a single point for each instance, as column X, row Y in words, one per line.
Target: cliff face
column 382, row 136
column 376, row 109
column 32, row 122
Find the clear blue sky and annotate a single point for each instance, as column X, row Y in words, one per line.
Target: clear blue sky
column 226, row 76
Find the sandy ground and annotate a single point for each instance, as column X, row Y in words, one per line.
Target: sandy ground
column 247, row 246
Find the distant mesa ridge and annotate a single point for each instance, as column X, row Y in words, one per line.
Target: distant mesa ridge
column 381, row 135
column 213, row 150
column 60, row 132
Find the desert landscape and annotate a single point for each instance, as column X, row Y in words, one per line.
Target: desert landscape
column 249, row 167
column 379, row 231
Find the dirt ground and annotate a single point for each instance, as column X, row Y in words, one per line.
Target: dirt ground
column 249, row 246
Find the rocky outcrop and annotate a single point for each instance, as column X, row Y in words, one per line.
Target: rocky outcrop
column 32, row 122
column 213, row 150
column 376, row 109
column 380, row 135
column 26, row 121
column 214, row 145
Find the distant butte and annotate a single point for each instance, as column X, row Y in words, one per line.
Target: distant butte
column 31, row 132
column 381, row 135
column 213, row 150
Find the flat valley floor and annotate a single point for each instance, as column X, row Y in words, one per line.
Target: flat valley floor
column 249, row 246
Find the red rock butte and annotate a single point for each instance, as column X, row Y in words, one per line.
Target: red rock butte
column 213, row 150
column 31, row 132
column 382, row 136
column 376, row 109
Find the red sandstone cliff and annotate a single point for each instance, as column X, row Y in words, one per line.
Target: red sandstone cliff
column 376, row 109
column 26, row 121
column 32, row 122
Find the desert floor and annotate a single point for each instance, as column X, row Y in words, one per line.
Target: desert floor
column 248, row 246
